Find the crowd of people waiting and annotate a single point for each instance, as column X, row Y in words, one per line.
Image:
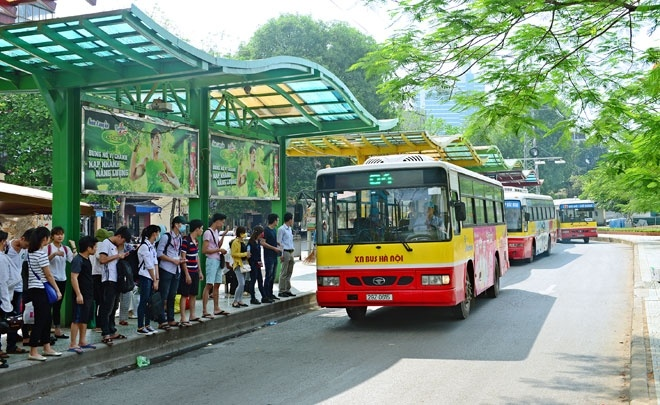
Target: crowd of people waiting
column 33, row 274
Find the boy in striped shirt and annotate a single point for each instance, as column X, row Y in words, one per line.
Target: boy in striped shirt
column 190, row 276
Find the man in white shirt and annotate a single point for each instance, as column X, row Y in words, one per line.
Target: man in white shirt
column 17, row 253
column 285, row 242
column 212, row 241
column 109, row 251
column 169, row 271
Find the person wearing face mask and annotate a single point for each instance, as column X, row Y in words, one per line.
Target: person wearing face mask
column 168, row 252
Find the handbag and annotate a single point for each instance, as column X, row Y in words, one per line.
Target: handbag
column 245, row 268
column 51, row 294
column 28, row 314
column 15, row 322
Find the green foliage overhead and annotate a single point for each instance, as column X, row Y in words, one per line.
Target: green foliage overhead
column 335, row 46
column 26, row 140
column 591, row 55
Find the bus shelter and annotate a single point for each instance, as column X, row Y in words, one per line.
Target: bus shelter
column 487, row 160
column 119, row 87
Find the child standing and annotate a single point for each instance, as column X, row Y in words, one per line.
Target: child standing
column 83, row 289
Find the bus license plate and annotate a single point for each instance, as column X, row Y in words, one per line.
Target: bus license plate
column 379, row 297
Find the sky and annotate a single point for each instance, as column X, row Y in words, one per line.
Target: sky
column 223, row 25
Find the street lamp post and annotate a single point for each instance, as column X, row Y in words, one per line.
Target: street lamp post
column 541, row 161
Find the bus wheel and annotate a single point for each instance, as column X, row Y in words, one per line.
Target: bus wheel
column 356, row 313
column 549, row 249
column 586, row 240
column 463, row 309
column 494, row 290
column 530, row 259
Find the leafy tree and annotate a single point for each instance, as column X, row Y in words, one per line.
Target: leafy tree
column 25, row 140
column 335, row 46
column 530, row 54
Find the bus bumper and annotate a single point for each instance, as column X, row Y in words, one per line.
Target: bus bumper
column 382, row 298
column 519, row 248
column 566, row 234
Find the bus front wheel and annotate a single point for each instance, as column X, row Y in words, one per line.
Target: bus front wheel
column 463, row 309
column 586, row 240
column 356, row 313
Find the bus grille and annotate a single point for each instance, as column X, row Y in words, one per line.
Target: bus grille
column 379, row 281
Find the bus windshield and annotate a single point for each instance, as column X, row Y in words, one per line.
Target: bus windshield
column 576, row 212
column 513, row 215
column 368, row 215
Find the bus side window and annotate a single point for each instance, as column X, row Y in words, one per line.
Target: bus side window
column 456, row 225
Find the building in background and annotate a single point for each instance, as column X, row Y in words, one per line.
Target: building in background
column 18, row 11
column 435, row 105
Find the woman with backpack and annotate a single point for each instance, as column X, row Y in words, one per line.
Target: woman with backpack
column 239, row 251
column 147, row 276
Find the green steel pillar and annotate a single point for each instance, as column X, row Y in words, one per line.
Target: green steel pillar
column 199, row 109
column 66, row 110
column 199, row 207
column 279, row 207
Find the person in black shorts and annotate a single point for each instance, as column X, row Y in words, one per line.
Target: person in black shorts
column 191, row 276
column 83, row 290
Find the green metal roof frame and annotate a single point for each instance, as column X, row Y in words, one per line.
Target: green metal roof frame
column 454, row 148
column 123, row 59
column 487, row 160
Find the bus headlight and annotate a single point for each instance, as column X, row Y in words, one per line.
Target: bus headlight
column 436, row 279
column 327, row 281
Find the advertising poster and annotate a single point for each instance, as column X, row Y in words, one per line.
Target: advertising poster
column 130, row 155
column 244, row 169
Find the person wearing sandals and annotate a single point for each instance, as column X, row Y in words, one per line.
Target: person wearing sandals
column 38, row 274
column 190, row 276
column 58, row 255
column 215, row 258
column 82, row 286
column 147, row 277
column 111, row 250
column 238, row 253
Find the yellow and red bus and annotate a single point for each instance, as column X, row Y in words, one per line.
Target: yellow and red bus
column 530, row 223
column 577, row 219
column 407, row 230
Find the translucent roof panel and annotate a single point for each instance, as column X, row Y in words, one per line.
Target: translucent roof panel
column 103, row 54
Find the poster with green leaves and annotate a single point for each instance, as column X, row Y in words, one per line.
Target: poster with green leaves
column 131, row 155
column 244, row 169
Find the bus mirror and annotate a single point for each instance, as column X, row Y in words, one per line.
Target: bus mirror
column 459, row 210
column 527, row 216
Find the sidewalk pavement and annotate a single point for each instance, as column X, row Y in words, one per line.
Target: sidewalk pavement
column 24, row 378
column 645, row 344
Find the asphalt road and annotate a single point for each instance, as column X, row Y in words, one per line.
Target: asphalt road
column 559, row 333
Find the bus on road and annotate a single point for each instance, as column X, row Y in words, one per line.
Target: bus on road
column 576, row 219
column 407, row 230
column 530, row 223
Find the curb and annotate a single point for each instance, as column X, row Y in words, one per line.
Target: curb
column 641, row 389
column 31, row 380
